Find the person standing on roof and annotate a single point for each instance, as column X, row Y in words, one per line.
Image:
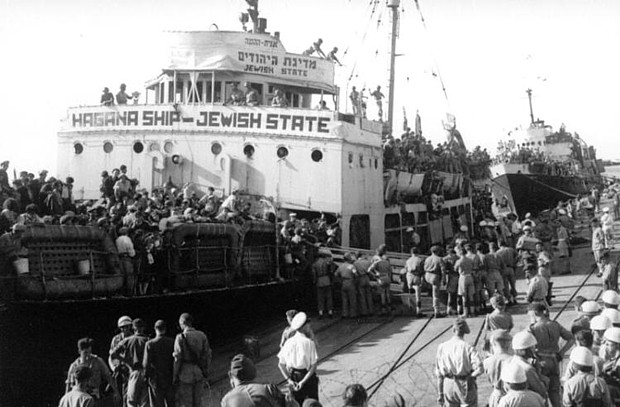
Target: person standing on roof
column 379, row 100
column 107, row 98
column 457, row 366
column 122, row 97
column 354, row 96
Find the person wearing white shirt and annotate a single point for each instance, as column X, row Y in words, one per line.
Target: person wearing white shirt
column 298, row 360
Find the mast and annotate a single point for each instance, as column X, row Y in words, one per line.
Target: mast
column 393, row 4
column 529, row 96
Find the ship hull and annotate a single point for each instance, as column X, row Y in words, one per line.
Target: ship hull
column 44, row 334
column 535, row 193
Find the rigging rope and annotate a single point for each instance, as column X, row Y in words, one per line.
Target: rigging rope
column 443, row 86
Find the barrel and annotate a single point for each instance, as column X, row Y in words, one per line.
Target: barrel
column 83, row 267
column 21, row 266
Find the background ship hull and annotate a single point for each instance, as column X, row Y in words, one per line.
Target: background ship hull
column 38, row 340
column 535, row 193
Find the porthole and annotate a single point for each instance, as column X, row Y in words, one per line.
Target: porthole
column 108, row 147
column 282, row 152
column 316, row 155
column 168, row 147
column 248, row 150
column 216, row 148
column 154, row 147
column 78, row 148
column 138, row 147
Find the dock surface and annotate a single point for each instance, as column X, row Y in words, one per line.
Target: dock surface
column 397, row 354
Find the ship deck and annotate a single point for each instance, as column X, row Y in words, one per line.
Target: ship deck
column 397, row 354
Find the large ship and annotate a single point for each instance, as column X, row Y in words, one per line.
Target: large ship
column 544, row 165
column 291, row 155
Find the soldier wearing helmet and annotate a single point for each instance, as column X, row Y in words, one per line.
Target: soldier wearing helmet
column 120, row 371
column 524, row 346
column 599, row 324
column 585, row 389
column 610, row 299
column 518, row 394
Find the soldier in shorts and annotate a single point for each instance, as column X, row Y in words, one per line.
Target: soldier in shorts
column 465, row 267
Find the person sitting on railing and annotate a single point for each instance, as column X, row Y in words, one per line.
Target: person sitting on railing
column 331, row 56
column 316, row 47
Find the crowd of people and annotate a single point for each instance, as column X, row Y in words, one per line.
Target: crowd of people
column 413, row 153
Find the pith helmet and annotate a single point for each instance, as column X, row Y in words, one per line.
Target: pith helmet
column 523, row 340
column 513, row 373
column 590, row 307
column 611, row 297
column 582, row 355
column 299, row 320
column 612, row 335
column 124, row 321
column 612, row 314
column 600, row 323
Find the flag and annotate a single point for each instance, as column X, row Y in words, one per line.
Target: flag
column 418, row 124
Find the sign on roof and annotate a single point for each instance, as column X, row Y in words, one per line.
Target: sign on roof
column 242, row 52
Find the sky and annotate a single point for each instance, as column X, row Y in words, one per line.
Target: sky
column 61, row 53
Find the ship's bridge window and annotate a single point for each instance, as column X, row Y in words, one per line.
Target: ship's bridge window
column 108, row 147
column 282, row 152
column 316, row 155
column 78, row 148
column 216, row 148
column 138, row 147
